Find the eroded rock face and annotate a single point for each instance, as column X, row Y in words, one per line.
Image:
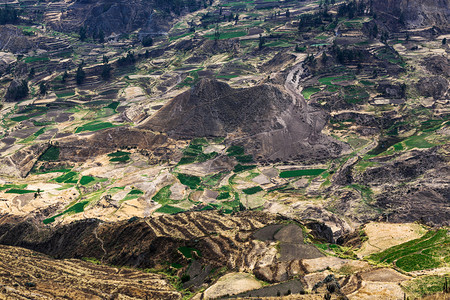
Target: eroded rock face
column 266, row 120
column 26, row 274
column 77, row 149
column 20, row 163
column 414, row 13
column 435, row 87
column 122, row 16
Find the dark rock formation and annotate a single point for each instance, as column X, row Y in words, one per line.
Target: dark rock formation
column 263, row 118
column 413, row 13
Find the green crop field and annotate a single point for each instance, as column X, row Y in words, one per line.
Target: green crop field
column 305, row 172
column 309, row 91
column 163, row 195
column 68, row 177
column 76, row 208
column 19, row 191
column 94, row 126
column 118, row 154
column 430, row 251
column 192, row 182
column 252, row 190
column 187, row 251
column 85, row 180
column 168, row 209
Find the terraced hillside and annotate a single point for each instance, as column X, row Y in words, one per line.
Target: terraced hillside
column 236, row 148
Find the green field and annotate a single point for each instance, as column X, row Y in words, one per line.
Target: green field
column 192, row 182
column 163, row 195
column 252, row 190
column 309, row 91
column 19, row 191
column 94, row 126
column 32, row 59
column 227, row 35
column 69, row 177
column 430, row 251
column 133, row 194
column 168, row 209
column 425, row 285
column 118, row 154
column 85, row 180
column 331, row 80
column 77, row 208
column 51, row 154
column 305, row 172
column 187, row 251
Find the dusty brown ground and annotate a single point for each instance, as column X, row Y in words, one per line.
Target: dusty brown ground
column 25, row 274
column 385, row 235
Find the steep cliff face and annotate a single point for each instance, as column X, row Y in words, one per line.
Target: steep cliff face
column 123, row 16
column 414, row 13
column 264, row 118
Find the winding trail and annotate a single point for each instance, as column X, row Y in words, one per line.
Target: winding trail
column 101, row 244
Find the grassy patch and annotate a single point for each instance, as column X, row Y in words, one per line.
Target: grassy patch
column 193, row 182
column 32, row 59
column 309, row 91
column 235, row 151
column 94, row 126
column 430, row 251
column 194, row 153
column 227, row 35
column 224, row 195
column 65, row 94
column 163, row 195
column 252, row 190
column 13, row 186
column 85, row 180
column 418, row 141
column 51, row 154
column 334, row 79
column 19, row 191
column 77, row 208
column 168, row 209
column 425, row 285
column 240, row 168
column 123, row 158
column 118, row 154
column 68, row 177
column 305, row 172
column 133, row 194
column 187, row 251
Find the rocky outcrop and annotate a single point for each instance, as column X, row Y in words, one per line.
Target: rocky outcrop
column 25, row 274
column 21, row 162
column 265, row 119
column 414, row 13
column 435, row 87
column 120, row 16
column 220, row 241
column 81, row 148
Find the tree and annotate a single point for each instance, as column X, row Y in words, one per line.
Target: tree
column 106, row 72
column 43, row 88
column 147, row 41
column 65, row 76
column 101, row 37
column 288, row 14
column 444, row 41
column 261, row 42
column 82, row 33
column 324, row 58
column 105, row 59
column 17, row 90
column 81, row 75
column 216, row 33
column 32, row 72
